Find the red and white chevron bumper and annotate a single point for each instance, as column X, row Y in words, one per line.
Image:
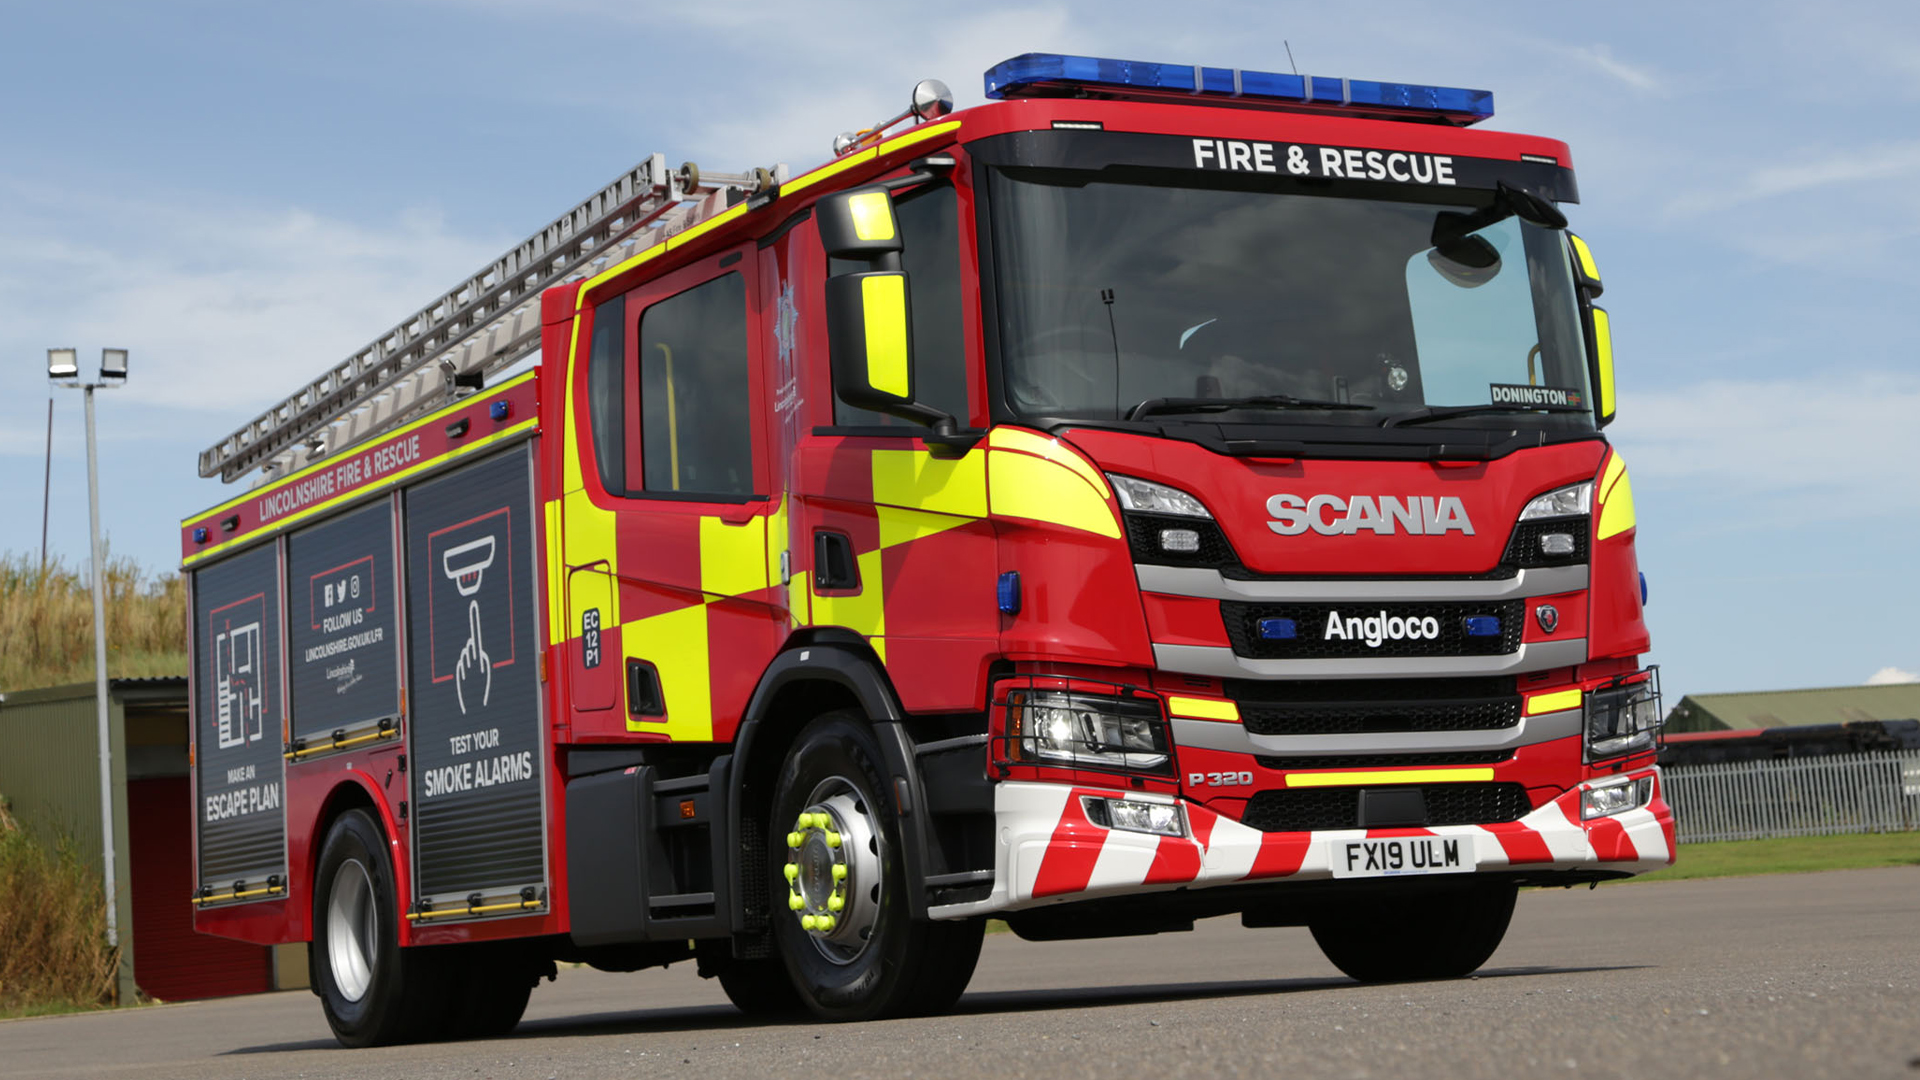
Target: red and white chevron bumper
column 1048, row 851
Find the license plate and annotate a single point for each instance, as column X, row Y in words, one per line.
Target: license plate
column 1402, row 855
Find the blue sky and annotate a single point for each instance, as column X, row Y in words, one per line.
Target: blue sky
column 243, row 193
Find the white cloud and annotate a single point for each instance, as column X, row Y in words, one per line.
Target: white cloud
column 1888, row 676
column 1601, row 59
column 1849, row 437
column 227, row 308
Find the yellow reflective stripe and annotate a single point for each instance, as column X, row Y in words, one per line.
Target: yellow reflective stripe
column 617, row 269
column 1020, row 485
column 1554, row 701
column 590, row 532
column 1616, row 468
column 1012, row 438
column 682, row 239
column 733, row 558
column 1395, row 776
column 834, row 168
column 917, row 135
column 570, row 468
column 1203, row 708
column 334, row 459
column 883, row 301
column 901, row 526
column 872, row 213
column 556, row 580
column 1616, row 513
column 1603, row 350
column 776, row 540
column 591, row 588
column 387, row 483
column 1585, row 254
column 919, row 481
column 676, row 644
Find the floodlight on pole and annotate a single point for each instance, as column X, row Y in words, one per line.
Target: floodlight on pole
column 63, row 363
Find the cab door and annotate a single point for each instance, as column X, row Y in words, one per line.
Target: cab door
column 675, row 582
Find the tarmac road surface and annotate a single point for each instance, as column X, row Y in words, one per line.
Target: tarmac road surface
column 1794, row 975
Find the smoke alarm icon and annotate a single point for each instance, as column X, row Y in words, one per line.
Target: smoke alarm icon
column 464, row 563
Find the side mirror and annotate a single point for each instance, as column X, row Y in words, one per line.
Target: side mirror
column 1598, row 327
column 869, row 326
column 860, row 225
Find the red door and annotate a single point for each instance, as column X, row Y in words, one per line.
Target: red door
column 170, row 961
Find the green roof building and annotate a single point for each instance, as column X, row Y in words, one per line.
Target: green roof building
column 1794, row 708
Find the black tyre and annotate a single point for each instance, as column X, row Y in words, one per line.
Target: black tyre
column 1424, row 935
column 844, row 931
column 759, row 988
column 373, row 991
column 490, row 985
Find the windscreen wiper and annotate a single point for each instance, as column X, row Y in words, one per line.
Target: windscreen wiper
column 1264, row 401
column 1421, row 416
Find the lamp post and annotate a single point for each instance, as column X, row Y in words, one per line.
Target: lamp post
column 63, row 367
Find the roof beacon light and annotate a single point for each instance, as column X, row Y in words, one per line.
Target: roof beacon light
column 1053, row 75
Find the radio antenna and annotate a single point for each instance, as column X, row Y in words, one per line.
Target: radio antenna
column 1290, row 63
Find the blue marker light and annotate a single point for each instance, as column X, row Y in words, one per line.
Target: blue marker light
column 200, row 534
column 1009, row 592
column 501, row 409
column 1483, row 626
column 1279, row 629
column 1055, row 75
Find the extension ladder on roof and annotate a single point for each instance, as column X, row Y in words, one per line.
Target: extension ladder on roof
column 487, row 322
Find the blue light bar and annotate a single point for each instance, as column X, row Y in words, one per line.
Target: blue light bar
column 1053, row 75
column 1279, row 629
column 1483, row 626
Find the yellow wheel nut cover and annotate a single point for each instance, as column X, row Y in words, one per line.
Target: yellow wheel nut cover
column 833, row 839
column 823, row 924
column 795, row 901
column 807, row 922
column 839, row 872
column 835, row 903
column 793, row 871
column 794, row 839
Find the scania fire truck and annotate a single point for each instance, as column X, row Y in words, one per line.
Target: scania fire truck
column 1159, row 493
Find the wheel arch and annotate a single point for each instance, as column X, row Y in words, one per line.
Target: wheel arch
column 819, row 670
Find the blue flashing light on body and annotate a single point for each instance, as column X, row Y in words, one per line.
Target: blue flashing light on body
column 200, row 534
column 1483, row 626
column 501, row 409
column 1279, row 629
column 1056, row 75
column 1009, row 592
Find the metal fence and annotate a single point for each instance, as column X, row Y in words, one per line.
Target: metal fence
column 1815, row 796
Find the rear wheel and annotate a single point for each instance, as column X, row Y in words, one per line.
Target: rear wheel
column 1442, row 935
column 373, row 991
column 849, row 943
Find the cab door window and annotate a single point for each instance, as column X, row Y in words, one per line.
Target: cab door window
column 696, row 429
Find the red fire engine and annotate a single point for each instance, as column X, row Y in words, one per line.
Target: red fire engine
column 1162, row 492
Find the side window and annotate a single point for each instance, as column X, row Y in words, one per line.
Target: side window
column 930, row 231
column 695, row 418
column 606, row 392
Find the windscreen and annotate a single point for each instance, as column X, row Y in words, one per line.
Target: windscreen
column 1113, row 293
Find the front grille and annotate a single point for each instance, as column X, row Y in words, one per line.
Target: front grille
column 1358, row 707
column 1143, row 536
column 1385, row 761
column 1313, row 621
column 1523, row 548
column 1304, row 809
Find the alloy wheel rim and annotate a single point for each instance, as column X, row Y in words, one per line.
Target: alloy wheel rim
column 351, row 930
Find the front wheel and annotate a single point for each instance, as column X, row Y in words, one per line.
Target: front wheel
column 373, row 991
column 850, row 946
column 1425, row 935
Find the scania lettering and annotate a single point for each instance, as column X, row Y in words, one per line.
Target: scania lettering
column 1159, row 493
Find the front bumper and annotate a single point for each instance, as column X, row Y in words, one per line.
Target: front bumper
column 1048, row 852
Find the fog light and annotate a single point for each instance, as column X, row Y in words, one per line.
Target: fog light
column 1599, row 802
column 1186, row 541
column 1556, row 544
column 1132, row 815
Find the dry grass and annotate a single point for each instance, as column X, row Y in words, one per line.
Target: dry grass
column 46, row 623
column 53, row 950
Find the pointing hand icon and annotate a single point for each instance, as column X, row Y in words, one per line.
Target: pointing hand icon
column 475, row 664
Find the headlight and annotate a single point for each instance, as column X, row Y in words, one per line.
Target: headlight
column 1054, row 727
column 1562, row 502
column 1616, row 798
column 1623, row 719
column 1151, row 498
